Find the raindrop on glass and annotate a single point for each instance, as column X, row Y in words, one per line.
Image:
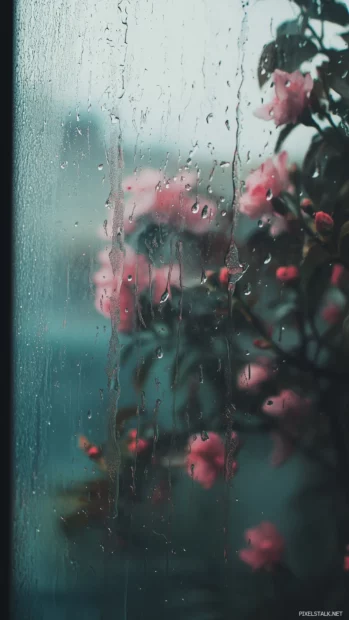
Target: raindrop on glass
column 100, row 167
column 247, row 289
column 159, row 353
column 267, row 259
column 204, row 212
column 269, row 194
column 195, row 207
column 164, row 297
column 209, row 117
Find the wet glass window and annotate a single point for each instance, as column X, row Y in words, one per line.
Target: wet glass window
column 181, row 300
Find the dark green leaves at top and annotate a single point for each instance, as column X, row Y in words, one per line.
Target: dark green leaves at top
column 337, row 71
column 326, row 10
column 294, row 26
column 287, row 53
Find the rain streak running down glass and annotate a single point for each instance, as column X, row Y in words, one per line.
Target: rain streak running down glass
column 181, row 309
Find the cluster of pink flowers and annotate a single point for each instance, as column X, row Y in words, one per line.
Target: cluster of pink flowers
column 138, row 275
column 166, row 201
column 205, row 460
column 266, row 546
column 292, row 93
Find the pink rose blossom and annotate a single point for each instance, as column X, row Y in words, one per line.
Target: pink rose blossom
column 205, row 461
column 292, row 92
column 287, row 403
column 266, row 546
column 268, row 181
column 253, row 375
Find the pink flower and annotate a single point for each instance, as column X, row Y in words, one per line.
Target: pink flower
column 323, row 222
column 266, row 546
column 136, row 444
column 287, row 274
column 287, row 403
column 253, row 375
column 135, row 278
column 166, row 201
column 268, row 181
column 332, row 313
column 292, row 92
column 339, row 275
column 205, row 461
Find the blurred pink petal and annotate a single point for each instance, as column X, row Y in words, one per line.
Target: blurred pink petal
column 253, row 375
column 268, row 181
column 205, row 460
column 266, row 546
column 286, row 403
column 292, row 92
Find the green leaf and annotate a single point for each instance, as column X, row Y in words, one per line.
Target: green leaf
column 284, row 133
column 325, row 10
column 337, row 71
column 294, row 26
column 287, row 53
